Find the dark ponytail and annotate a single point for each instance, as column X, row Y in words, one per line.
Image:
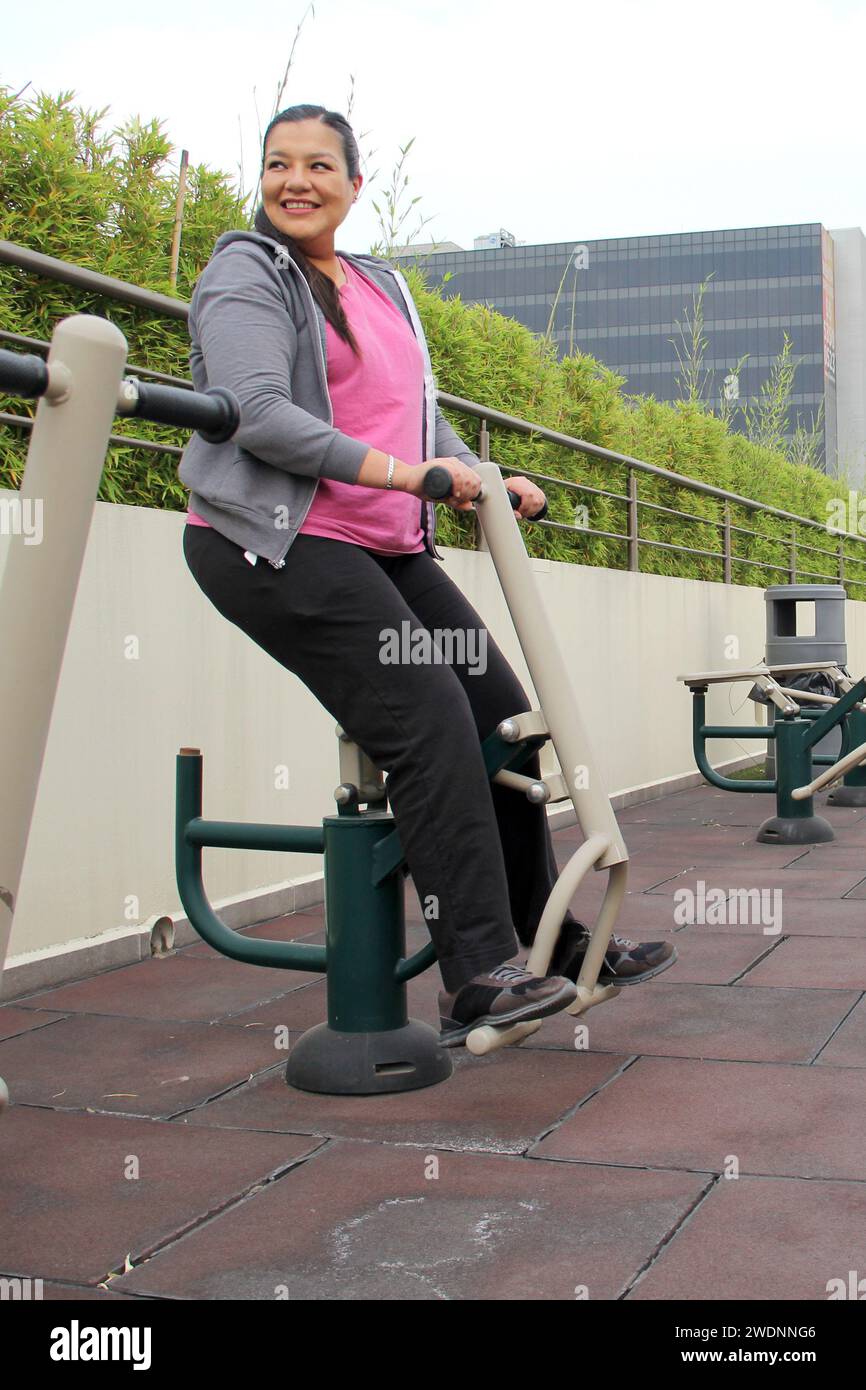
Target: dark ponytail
column 323, row 289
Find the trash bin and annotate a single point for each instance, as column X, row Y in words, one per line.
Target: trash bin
column 827, row 643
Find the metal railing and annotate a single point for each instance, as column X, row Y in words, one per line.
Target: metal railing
column 634, row 506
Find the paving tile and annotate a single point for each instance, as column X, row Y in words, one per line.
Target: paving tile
column 642, row 875
column 178, row 987
column 131, row 1066
column 14, row 1020
column 847, row 1047
column 807, row 962
column 362, row 1221
column 499, row 1104
column 736, row 856
column 847, row 836
column 831, row 856
column 712, row 843
column 804, row 883
column 719, row 1021
column 642, row 917
column 69, row 1210
column 304, row 1008
column 767, row 1239
column 670, row 1113
column 708, row 957
column 814, row 917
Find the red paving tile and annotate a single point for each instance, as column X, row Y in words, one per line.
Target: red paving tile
column 371, row 1222
column 765, row 1239
column 753, row 1044
column 131, row 1066
column 706, row 1021
column 847, row 1047
column 817, row 917
column 499, row 1104
column 177, row 987
column 72, row 1211
column 14, row 1020
column 813, row 962
column 663, row 1112
column 707, row 957
column 803, row 883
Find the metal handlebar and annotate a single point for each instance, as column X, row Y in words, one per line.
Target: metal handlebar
column 214, row 413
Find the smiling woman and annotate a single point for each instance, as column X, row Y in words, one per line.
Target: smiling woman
column 324, row 478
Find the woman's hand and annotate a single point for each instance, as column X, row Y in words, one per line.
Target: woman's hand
column 532, row 499
column 465, row 482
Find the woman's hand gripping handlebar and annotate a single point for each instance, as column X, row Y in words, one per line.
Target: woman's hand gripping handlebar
column 438, row 483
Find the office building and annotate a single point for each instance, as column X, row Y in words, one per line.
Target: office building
column 627, row 302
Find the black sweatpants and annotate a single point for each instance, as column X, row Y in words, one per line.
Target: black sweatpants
column 480, row 851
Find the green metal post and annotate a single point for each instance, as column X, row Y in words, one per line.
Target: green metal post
column 795, row 822
column 853, row 789
column 366, row 934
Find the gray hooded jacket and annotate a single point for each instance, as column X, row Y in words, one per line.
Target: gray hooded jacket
column 255, row 328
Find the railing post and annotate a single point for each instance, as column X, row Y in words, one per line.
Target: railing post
column 633, row 538
column 484, row 456
column 841, row 559
column 483, row 442
column 792, row 557
column 726, row 532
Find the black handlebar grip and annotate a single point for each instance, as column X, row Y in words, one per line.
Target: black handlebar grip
column 437, row 484
column 22, row 374
column 214, row 413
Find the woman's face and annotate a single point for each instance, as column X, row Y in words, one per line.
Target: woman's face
column 305, row 163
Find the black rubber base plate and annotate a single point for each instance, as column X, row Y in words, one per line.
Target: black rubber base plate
column 780, row 830
column 847, row 796
column 368, row 1064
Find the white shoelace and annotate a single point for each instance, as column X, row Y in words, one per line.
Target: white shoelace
column 506, row 973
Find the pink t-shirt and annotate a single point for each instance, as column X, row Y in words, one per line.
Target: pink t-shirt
column 378, row 399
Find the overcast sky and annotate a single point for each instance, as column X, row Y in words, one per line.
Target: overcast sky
column 559, row 120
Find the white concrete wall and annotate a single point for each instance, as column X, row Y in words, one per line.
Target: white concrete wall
column 151, row 666
column 850, row 299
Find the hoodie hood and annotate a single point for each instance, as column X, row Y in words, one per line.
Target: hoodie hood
column 271, row 245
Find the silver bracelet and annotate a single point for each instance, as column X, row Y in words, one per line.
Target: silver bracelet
column 390, row 482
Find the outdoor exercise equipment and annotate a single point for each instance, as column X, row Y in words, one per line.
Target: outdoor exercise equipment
column 795, row 732
column 368, row 1043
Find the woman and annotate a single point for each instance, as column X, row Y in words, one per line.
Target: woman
column 310, row 531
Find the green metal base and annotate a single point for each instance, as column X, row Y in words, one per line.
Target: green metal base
column 847, row 796
column 367, row 1064
column 789, row 830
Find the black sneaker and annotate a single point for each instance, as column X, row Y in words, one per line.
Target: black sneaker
column 625, row 962
column 508, row 994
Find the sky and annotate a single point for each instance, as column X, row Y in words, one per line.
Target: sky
column 559, row 120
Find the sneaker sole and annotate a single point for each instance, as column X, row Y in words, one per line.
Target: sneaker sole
column 455, row 1037
column 618, row 980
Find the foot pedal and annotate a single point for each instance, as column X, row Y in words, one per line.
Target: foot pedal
column 491, row 1036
